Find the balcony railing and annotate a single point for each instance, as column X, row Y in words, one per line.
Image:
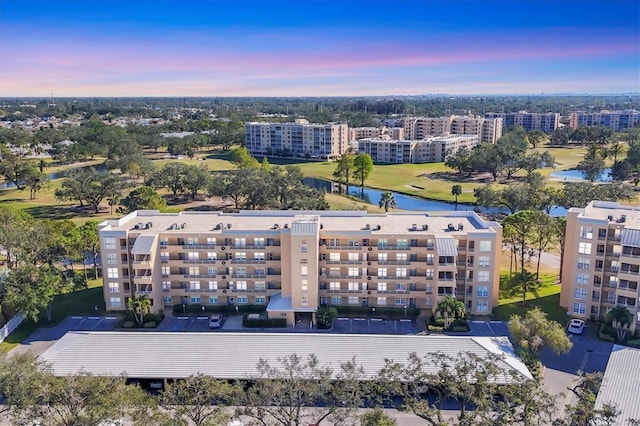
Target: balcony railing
column 201, row 276
column 393, row 247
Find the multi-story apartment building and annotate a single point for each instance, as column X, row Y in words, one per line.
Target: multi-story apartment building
column 487, row 129
column 430, row 150
column 357, row 133
column 546, row 122
column 601, row 260
column 300, row 139
column 293, row 262
column 616, row 120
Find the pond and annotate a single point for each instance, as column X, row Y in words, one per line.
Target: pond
column 59, row 174
column 408, row 202
column 574, row 174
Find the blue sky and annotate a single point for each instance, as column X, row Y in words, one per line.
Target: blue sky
column 318, row 48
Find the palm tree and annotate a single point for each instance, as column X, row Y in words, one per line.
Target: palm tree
column 387, row 201
column 140, row 305
column 42, row 165
column 450, row 308
column 113, row 199
column 455, row 191
column 620, row 319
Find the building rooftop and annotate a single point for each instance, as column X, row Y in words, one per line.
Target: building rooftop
column 603, row 210
column 235, row 355
column 621, row 384
column 151, row 222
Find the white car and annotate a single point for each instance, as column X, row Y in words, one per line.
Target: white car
column 576, row 326
column 215, row 321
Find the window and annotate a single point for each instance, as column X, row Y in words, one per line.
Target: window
column 164, row 242
column 261, row 285
column 261, row 299
column 194, row 270
column 213, row 299
column 483, row 261
column 429, row 288
column 382, row 272
column 381, row 301
column 304, row 270
column 485, row 246
column 429, row 243
column 354, row 300
column 115, row 302
column 401, row 257
column 579, row 308
column 429, row 273
column 581, row 293
column 354, row 257
column 382, row 286
column 240, row 242
column 584, row 263
column 613, row 282
column 354, row 272
column 401, row 272
column 582, row 278
column 401, row 287
column 382, row 257
column 114, row 288
column 336, row 300
column 212, row 271
column 482, row 291
column 241, row 255
column 213, row 285
column 258, row 242
column 401, row 301
column 194, row 285
column 430, row 258
column 482, row 306
column 334, row 256
column 304, row 247
column 383, row 243
column 111, row 259
column 258, row 256
column 304, row 300
column 353, row 242
column 334, row 286
column 112, row 272
column 241, row 285
column 193, row 255
column 211, row 241
column 402, row 243
column 164, row 256
column 586, row 232
column 212, row 255
column 483, row 276
column 353, row 286
column 584, row 248
column 110, row 243
column 195, row 299
column 167, row 299
column 241, row 272
column 166, row 285
column 242, row 299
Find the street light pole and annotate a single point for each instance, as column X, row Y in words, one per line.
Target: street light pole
column 405, row 311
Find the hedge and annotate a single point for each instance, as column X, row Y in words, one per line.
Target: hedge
column 634, row 343
column 263, row 322
column 150, row 324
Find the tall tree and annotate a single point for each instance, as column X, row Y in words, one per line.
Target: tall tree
column 455, row 191
column 449, row 309
column 200, row 399
column 143, row 198
column 620, row 319
column 387, row 201
column 89, row 186
column 32, row 289
column 344, row 168
column 593, row 162
column 535, row 331
column 139, row 306
column 362, row 167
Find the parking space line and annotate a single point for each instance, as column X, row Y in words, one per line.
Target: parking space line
column 377, row 319
column 405, row 320
column 77, row 317
column 478, row 322
column 110, row 318
column 343, row 319
column 182, row 318
column 94, row 318
column 495, row 322
column 359, row 319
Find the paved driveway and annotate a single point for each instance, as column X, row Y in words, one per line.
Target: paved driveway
column 374, row 326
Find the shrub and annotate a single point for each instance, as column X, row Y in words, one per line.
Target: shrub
column 634, row 343
column 389, row 312
column 325, row 316
column 263, row 322
column 603, row 334
column 150, row 324
column 439, row 322
column 435, row 329
column 458, row 328
column 129, row 324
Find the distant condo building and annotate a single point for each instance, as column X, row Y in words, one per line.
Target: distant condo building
column 293, row 262
column 547, row 122
column 601, row 260
column 615, row 120
column 487, row 129
column 301, row 139
column 430, row 150
column 357, row 133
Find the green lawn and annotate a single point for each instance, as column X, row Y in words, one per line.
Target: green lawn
column 549, row 304
column 81, row 302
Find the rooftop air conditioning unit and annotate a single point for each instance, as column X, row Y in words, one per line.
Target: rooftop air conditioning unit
column 425, row 227
column 460, row 227
column 414, row 227
column 228, row 226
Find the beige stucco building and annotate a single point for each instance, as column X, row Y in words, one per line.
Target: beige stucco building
column 429, row 150
column 300, row 138
column 488, row 130
column 292, row 262
column 601, row 260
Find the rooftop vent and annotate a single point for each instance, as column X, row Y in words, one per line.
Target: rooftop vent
column 276, row 226
column 184, row 225
column 414, row 227
column 219, row 227
column 425, row 227
column 139, row 226
column 228, row 226
column 148, row 225
column 174, row 226
column 286, row 225
column 460, row 227
column 609, row 218
column 622, row 219
column 367, row 227
column 450, row 227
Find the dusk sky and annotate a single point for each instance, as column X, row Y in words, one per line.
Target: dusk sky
column 318, row 47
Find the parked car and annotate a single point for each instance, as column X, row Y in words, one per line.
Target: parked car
column 576, row 326
column 215, row 321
